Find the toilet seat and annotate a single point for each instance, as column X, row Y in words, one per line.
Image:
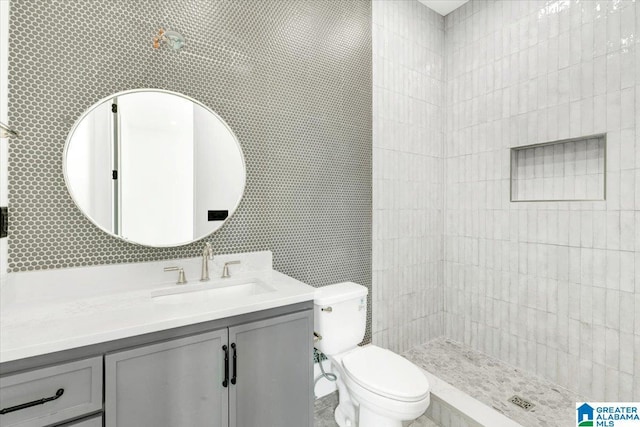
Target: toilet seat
column 386, row 374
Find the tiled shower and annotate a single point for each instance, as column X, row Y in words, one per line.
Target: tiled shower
column 539, row 262
column 550, row 287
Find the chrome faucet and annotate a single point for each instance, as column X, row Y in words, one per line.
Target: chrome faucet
column 225, row 269
column 207, row 254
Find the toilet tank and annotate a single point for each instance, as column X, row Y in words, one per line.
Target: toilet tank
column 340, row 316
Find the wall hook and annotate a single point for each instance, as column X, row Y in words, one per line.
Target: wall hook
column 173, row 39
column 6, row 131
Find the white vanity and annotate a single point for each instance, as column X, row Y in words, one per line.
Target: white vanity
column 129, row 347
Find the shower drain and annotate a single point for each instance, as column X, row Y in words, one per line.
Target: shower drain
column 524, row 404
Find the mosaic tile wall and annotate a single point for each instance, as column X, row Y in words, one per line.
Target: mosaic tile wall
column 552, row 288
column 291, row 77
column 408, row 46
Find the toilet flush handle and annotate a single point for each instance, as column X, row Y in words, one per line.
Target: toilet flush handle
column 327, row 309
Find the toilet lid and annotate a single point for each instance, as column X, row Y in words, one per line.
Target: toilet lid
column 386, row 373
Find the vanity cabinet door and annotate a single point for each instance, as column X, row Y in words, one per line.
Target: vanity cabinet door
column 173, row 383
column 273, row 384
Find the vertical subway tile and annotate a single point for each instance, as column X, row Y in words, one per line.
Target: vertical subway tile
column 588, row 71
column 410, row 144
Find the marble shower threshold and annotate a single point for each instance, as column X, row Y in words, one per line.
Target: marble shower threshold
column 492, row 382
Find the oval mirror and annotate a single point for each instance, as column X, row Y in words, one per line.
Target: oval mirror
column 154, row 167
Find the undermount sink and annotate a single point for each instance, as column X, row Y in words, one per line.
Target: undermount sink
column 211, row 293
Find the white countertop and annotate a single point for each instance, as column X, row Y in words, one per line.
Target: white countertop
column 37, row 318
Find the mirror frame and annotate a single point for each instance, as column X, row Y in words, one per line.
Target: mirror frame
column 125, row 92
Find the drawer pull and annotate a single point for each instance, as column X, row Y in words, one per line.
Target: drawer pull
column 59, row 393
column 235, row 363
column 225, row 382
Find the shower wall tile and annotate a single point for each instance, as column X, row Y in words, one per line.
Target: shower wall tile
column 550, row 287
column 565, row 170
column 408, row 56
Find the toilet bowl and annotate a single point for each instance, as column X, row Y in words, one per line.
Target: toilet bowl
column 376, row 387
column 385, row 388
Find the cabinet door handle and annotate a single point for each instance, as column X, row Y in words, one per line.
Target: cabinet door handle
column 235, row 363
column 42, row 401
column 225, row 382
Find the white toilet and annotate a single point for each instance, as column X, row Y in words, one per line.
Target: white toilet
column 376, row 387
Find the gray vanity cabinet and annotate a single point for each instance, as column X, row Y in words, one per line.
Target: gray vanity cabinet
column 273, row 384
column 173, row 383
column 184, row 381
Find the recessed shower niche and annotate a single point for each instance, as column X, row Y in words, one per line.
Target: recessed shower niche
column 567, row 170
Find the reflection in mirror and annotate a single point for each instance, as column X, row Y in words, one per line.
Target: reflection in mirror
column 154, row 167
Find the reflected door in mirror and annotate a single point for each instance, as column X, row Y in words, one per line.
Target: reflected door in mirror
column 152, row 166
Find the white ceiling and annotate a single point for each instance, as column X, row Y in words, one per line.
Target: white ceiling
column 443, row 7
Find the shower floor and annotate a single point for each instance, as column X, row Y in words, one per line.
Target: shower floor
column 492, row 382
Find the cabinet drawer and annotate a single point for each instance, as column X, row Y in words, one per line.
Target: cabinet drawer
column 81, row 385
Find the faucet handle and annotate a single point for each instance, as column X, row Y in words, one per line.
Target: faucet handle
column 207, row 251
column 207, row 254
column 225, row 269
column 181, row 277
